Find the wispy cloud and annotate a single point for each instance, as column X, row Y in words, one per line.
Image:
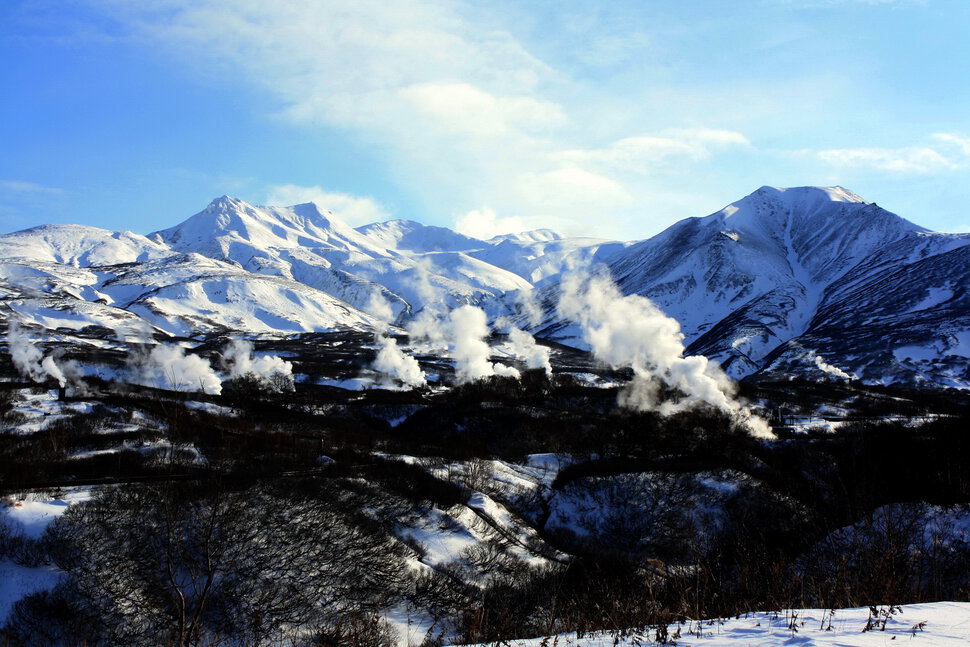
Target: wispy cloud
column 467, row 109
column 961, row 144
column 341, row 62
column 465, row 112
column 644, row 153
column 484, row 223
column 573, row 188
column 913, row 159
column 19, row 186
column 353, row 210
column 951, row 152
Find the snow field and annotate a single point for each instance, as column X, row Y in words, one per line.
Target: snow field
column 938, row 624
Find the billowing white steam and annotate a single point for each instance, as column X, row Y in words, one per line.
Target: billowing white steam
column 168, row 367
column 29, row 359
column 426, row 323
column 465, row 330
column 529, row 307
column 379, row 306
column 135, row 330
column 25, row 355
column 632, row 331
column 524, row 347
column 273, row 371
column 421, row 283
column 827, row 368
column 392, row 362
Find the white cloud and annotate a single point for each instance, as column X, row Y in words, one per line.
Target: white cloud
column 464, row 108
column 458, row 106
column 19, row 186
column 943, row 153
column 484, row 223
column 573, row 188
column 918, row 160
column 337, row 61
column 353, row 210
column 462, row 113
column 962, row 144
column 644, row 153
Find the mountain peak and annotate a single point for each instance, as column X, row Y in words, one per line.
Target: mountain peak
column 811, row 193
column 308, row 209
column 229, row 223
column 414, row 236
column 531, row 236
column 224, row 203
column 812, row 224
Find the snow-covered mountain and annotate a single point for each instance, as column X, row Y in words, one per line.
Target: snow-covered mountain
column 406, row 264
column 235, row 266
column 809, row 280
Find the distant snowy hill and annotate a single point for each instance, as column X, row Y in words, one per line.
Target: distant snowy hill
column 807, row 280
column 411, row 236
column 80, row 246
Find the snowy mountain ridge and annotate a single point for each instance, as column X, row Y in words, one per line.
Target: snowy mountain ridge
column 801, row 280
column 751, row 283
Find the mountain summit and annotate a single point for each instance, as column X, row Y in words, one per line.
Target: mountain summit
column 227, row 223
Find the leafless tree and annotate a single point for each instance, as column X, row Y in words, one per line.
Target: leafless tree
column 201, row 565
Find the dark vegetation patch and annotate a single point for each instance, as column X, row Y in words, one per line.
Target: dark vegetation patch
column 298, row 495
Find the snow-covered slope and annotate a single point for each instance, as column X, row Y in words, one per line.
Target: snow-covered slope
column 80, row 246
column 398, row 259
column 941, row 624
column 538, row 260
column 68, row 276
column 231, row 228
column 411, row 236
column 180, row 294
column 764, row 261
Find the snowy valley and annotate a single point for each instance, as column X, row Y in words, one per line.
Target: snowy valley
column 265, row 427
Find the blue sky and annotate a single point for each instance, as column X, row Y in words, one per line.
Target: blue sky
column 611, row 119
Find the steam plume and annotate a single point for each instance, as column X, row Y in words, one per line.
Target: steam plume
column 426, row 324
column 632, row 331
column 29, row 359
column 426, row 291
column 379, row 306
column 524, row 346
column 827, row 368
column 465, row 329
column 394, row 363
column 529, row 307
column 168, row 367
column 273, row 371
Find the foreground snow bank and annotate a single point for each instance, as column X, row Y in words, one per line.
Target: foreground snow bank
column 941, row 624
